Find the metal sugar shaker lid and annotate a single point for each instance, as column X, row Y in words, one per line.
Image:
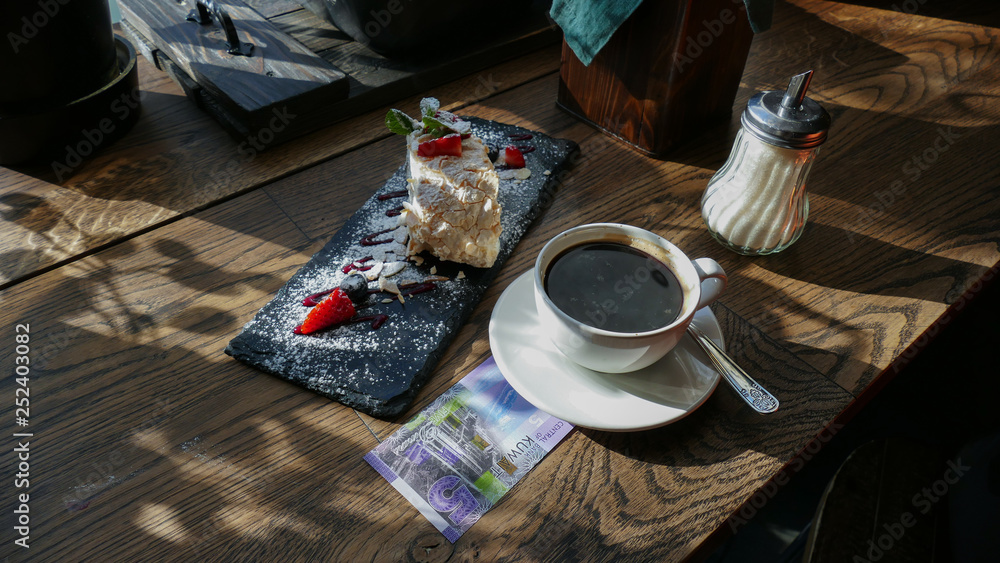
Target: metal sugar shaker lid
column 787, row 118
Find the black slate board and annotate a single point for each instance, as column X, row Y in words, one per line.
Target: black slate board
column 379, row 371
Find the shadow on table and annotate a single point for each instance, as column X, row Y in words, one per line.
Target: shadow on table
column 725, row 430
column 840, row 259
column 914, row 406
column 155, row 448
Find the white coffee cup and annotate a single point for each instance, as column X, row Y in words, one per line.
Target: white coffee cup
column 701, row 281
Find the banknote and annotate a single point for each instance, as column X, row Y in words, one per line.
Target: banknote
column 456, row 458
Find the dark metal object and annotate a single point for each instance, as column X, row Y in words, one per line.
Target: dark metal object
column 203, row 16
column 52, row 53
column 63, row 136
column 407, row 30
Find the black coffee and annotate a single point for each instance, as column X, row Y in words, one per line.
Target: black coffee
column 613, row 286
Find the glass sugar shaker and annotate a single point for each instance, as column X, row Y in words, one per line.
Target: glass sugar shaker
column 757, row 202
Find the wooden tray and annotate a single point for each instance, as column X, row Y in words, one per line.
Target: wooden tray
column 303, row 74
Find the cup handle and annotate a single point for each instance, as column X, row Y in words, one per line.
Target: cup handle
column 713, row 280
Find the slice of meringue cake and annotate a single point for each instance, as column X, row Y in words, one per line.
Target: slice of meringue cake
column 452, row 211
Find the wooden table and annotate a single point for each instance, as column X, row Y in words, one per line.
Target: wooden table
column 133, row 273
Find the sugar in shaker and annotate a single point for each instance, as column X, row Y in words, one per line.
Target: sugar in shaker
column 757, row 202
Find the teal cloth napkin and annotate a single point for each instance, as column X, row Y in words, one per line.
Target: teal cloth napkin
column 588, row 24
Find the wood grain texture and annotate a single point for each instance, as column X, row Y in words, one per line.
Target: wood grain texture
column 273, row 8
column 317, row 34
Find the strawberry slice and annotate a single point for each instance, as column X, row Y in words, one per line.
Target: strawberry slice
column 513, row 157
column 333, row 310
column 449, row 145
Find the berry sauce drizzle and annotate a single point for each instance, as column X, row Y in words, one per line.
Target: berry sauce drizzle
column 370, row 239
column 520, row 136
column 315, row 298
column 525, row 149
column 392, row 195
column 377, row 320
column 395, row 211
column 408, row 289
column 358, row 265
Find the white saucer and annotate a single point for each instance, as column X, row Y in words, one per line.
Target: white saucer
column 654, row 396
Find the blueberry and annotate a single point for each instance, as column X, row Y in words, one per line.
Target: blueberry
column 356, row 287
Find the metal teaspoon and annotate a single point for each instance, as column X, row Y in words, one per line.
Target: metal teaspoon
column 751, row 391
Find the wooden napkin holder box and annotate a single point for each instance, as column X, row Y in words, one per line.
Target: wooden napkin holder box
column 669, row 72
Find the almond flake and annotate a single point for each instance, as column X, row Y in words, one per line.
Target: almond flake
column 392, row 268
column 372, row 274
column 388, row 286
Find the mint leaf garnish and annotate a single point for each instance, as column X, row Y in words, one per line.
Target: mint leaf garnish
column 399, row 123
column 434, row 121
column 429, row 106
column 435, row 128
